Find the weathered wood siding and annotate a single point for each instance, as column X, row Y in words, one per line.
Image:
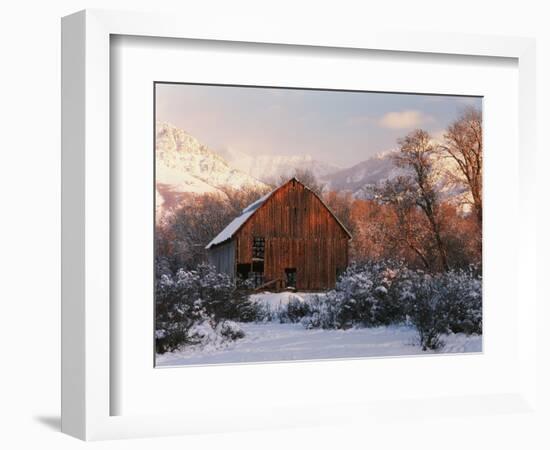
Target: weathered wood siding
column 299, row 233
column 223, row 257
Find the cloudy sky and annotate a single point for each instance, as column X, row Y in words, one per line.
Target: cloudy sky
column 342, row 128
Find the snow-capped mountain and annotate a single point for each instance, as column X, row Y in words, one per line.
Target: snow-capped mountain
column 381, row 167
column 366, row 173
column 186, row 166
column 269, row 168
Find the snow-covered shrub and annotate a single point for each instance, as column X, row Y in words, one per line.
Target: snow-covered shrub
column 222, row 298
column 176, row 313
column 384, row 293
column 365, row 295
column 293, row 311
column 448, row 302
column 387, row 280
column 263, row 312
column 325, row 311
column 463, row 299
column 202, row 333
column 352, row 300
column 424, row 299
column 231, row 330
column 374, row 292
column 193, row 300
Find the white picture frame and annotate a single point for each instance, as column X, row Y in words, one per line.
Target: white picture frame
column 87, row 385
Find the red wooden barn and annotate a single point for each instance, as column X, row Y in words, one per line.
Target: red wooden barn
column 288, row 238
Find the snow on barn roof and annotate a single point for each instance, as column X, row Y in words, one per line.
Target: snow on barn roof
column 238, row 222
column 234, row 226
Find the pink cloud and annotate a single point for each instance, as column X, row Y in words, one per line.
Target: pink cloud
column 404, row 119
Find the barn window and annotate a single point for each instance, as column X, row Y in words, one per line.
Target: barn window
column 290, row 275
column 258, row 248
column 243, row 271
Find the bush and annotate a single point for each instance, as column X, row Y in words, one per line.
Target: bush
column 231, row 331
column 293, row 311
column 202, row 333
column 201, row 306
column 380, row 294
column 191, row 305
column 177, row 311
column 365, row 295
column 442, row 303
column 464, row 304
column 426, row 309
column 325, row 311
column 375, row 293
column 264, row 312
column 222, row 298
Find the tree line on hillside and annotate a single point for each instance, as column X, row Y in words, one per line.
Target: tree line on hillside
column 405, row 218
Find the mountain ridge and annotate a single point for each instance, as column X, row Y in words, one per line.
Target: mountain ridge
column 269, row 168
column 185, row 168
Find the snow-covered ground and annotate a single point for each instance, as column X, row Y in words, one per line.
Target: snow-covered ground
column 276, row 299
column 292, row 342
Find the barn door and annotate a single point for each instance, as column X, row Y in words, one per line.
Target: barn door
column 290, row 275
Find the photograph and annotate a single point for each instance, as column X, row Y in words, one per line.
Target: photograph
column 296, row 224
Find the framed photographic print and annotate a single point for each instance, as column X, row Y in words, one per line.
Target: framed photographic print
column 316, row 224
column 251, row 219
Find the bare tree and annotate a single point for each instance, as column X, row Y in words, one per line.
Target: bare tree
column 408, row 231
column 416, row 154
column 192, row 227
column 341, row 204
column 464, row 145
column 307, row 177
column 240, row 198
column 181, row 237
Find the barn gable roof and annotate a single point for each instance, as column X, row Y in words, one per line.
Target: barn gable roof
column 235, row 225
